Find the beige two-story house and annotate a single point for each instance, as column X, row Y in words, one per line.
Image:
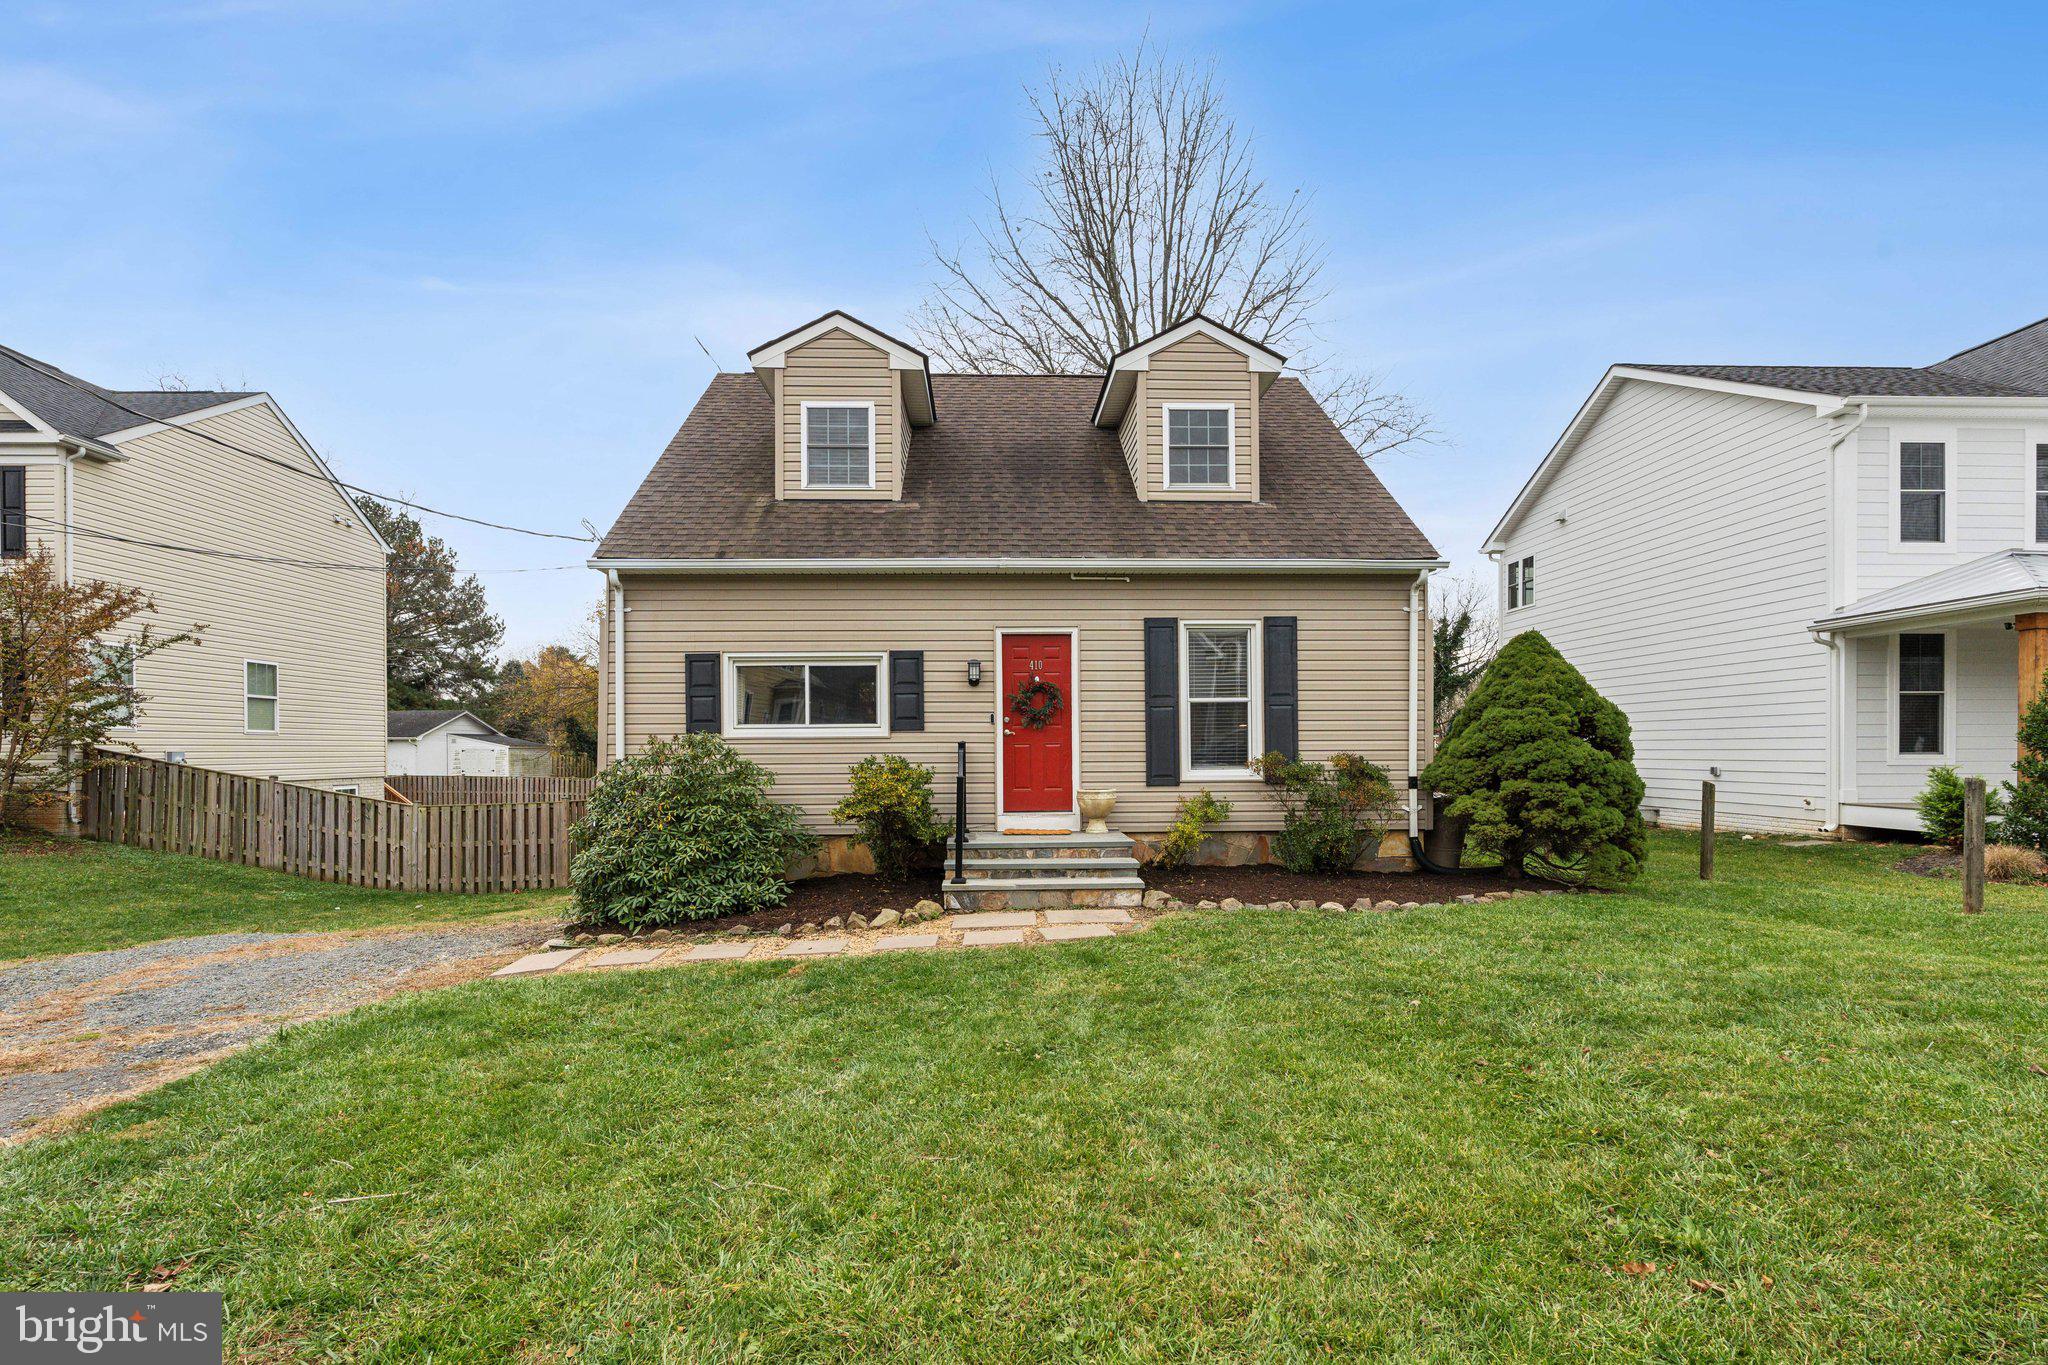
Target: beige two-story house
column 1170, row 568
column 214, row 505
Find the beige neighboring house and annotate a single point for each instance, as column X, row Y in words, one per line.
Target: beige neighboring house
column 287, row 680
column 842, row 553
column 454, row 743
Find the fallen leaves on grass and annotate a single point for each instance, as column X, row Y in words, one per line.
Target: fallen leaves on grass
column 1719, row 1291
column 1637, row 1267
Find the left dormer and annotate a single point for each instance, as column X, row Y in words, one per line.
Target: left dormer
column 847, row 398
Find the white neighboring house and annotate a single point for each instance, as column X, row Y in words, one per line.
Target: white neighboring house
column 214, row 505
column 1808, row 583
column 458, row 744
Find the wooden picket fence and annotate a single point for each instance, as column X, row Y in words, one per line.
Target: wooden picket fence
column 329, row 836
column 456, row 791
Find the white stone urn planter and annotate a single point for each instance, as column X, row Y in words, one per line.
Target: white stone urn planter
column 1095, row 808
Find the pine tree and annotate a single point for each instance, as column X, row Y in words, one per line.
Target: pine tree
column 439, row 631
column 1541, row 768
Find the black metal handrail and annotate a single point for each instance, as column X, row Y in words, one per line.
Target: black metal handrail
column 960, row 815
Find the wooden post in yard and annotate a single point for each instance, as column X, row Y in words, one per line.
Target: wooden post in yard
column 1706, row 831
column 1973, row 845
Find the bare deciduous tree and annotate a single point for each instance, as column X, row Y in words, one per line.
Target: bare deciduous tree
column 1146, row 209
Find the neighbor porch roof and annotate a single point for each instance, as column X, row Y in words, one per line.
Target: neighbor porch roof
column 1995, row 585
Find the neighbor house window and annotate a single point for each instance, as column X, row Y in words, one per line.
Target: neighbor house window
column 13, row 511
column 1217, row 669
column 1198, row 446
column 2041, row 493
column 117, row 668
column 1923, row 671
column 259, row 696
column 350, row 790
column 799, row 696
column 839, row 445
column 1923, row 488
column 1522, row 582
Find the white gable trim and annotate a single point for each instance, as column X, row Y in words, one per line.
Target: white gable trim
column 775, row 354
column 257, row 400
column 1596, row 403
column 1139, row 357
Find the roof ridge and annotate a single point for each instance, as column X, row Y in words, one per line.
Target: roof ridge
column 1984, row 345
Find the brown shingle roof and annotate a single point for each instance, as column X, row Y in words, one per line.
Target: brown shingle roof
column 1014, row 468
column 1860, row 381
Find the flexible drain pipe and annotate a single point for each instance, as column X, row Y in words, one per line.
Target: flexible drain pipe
column 1414, row 726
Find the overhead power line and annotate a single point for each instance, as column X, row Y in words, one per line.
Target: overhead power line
column 287, row 465
column 93, row 534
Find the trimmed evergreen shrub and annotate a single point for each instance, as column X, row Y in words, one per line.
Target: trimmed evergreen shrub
column 684, row 830
column 1542, row 769
column 890, row 800
column 2026, row 801
column 1941, row 808
column 1333, row 810
column 1191, row 821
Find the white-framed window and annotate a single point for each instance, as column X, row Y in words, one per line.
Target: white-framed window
column 805, row 694
column 1522, row 582
column 1922, row 676
column 839, row 445
column 348, row 789
column 1923, row 492
column 1201, row 445
column 1219, row 699
column 2041, row 493
column 259, row 697
column 117, row 664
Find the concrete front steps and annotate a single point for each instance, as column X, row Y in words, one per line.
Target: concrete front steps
column 1044, row 872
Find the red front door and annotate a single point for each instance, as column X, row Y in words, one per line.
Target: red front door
column 1038, row 761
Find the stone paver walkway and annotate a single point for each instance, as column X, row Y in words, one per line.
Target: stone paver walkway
column 980, row 929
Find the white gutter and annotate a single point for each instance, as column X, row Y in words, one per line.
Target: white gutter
column 1000, row 565
column 618, row 596
column 1836, row 543
column 1414, row 704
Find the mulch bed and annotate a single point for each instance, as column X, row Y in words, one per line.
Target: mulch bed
column 1935, row 862
column 1265, row 884
column 815, row 899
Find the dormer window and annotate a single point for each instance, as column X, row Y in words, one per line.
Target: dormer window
column 1200, row 441
column 839, row 445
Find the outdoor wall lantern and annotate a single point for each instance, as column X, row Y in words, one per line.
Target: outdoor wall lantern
column 974, row 672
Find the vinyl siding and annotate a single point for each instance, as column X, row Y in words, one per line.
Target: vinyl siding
column 1131, row 437
column 1198, row 369
column 322, row 627
column 1353, row 669
column 1691, row 558
column 10, row 414
column 1989, row 503
column 839, row 367
column 1979, row 724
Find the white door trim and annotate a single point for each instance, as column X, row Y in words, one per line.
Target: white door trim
column 1040, row 819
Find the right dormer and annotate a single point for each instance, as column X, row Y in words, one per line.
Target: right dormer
column 1185, row 405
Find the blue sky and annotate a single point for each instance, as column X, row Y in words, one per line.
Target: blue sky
column 471, row 246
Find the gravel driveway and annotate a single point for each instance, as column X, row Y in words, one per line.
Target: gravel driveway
column 78, row 1032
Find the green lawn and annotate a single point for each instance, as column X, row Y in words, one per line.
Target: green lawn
column 65, row 896
column 1813, row 1088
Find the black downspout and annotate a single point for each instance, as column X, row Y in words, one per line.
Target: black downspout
column 960, row 816
column 1415, row 844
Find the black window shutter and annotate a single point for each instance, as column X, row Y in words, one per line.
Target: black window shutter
column 1283, row 690
column 906, row 689
column 1162, row 701
column 700, row 694
column 14, row 512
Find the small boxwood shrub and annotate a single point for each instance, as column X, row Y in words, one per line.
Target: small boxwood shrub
column 684, row 830
column 1191, row 822
column 1941, row 808
column 1542, row 768
column 890, row 802
column 1333, row 810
